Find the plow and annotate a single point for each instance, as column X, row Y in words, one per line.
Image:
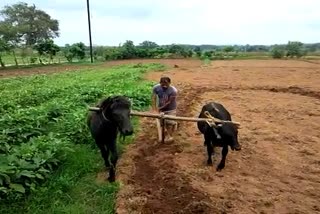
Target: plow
column 161, row 117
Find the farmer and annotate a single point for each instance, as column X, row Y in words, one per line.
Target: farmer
column 167, row 104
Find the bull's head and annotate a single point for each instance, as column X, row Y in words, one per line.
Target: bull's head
column 117, row 109
column 229, row 134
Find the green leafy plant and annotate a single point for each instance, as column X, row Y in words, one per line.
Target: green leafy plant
column 43, row 117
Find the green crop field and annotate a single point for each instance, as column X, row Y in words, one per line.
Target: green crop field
column 48, row 160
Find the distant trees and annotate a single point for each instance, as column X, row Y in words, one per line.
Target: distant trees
column 197, row 50
column 295, row 49
column 23, row 26
column 76, row 50
column 3, row 49
column 292, row 49
column 277, row 52
column 27, row 24
column 146, row 49
column 47, row 47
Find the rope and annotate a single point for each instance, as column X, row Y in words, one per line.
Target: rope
column 213, row 120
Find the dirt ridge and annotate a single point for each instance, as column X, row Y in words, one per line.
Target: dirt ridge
column 290, row 90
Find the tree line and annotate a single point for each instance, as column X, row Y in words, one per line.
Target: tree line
column 28, row 32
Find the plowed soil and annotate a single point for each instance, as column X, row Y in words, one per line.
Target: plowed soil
column 278, row 168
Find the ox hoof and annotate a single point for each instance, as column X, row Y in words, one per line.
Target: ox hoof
column 111, row 179
column 209, row 163
column 220, row 167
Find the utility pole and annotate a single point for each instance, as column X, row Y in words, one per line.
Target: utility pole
column 88, row 10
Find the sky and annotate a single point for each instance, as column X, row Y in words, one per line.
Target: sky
column 227, row 22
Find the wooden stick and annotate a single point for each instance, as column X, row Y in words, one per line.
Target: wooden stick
column 159, row 130
column 162, row 122
column 171, row 117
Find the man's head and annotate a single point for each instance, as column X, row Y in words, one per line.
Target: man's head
column 165, row 82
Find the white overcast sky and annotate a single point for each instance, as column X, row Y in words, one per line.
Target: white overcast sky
column 185, row 21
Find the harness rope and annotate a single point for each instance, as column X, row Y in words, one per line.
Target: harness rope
column 213, row 119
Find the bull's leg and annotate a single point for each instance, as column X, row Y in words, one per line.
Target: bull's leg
column 114, row 159
column 208, row 143
column 223, row 159
column 104, row 153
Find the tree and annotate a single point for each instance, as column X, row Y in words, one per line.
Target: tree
column 277, row 52
column 148, row 44
column 98, row 51
column 4, row 47
column 113, row 53
column 10, row 35
column 77, row 50
column 207, row 54
column 294, row 48
column 197, row 50
column 30, row 24
column 47, row 47
column 228, row 49
column 128, row 50
column 178, row 50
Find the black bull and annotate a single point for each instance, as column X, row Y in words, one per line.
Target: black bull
column 224, row 135
column 104, row 125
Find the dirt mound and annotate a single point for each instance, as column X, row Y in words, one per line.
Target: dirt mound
column 297, row 90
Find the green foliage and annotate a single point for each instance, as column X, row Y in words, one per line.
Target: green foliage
column 228, row 49
column 197, row 50
column 207, row 54
column 44, row 117
column 146, row 49
column 277, row 52
column 128, row 50
column 47, row 47
column 294, row 49
column 72, row 188
column 179, row 50
column 29, row 24
column 4, row 47
column 76, row 50
column 113, row 54
column 148, row 45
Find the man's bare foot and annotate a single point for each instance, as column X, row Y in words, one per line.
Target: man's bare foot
column 169, row 139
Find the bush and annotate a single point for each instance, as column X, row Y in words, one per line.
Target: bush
column 277, row 53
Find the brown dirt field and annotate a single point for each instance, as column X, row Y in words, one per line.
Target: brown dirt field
column 278, row 169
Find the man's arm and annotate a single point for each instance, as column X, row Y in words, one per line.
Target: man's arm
column 154, row 99
column 172, row 97
column 154, row 102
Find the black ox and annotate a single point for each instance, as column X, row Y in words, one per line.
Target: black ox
column 104, row 125
column 224, row 135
